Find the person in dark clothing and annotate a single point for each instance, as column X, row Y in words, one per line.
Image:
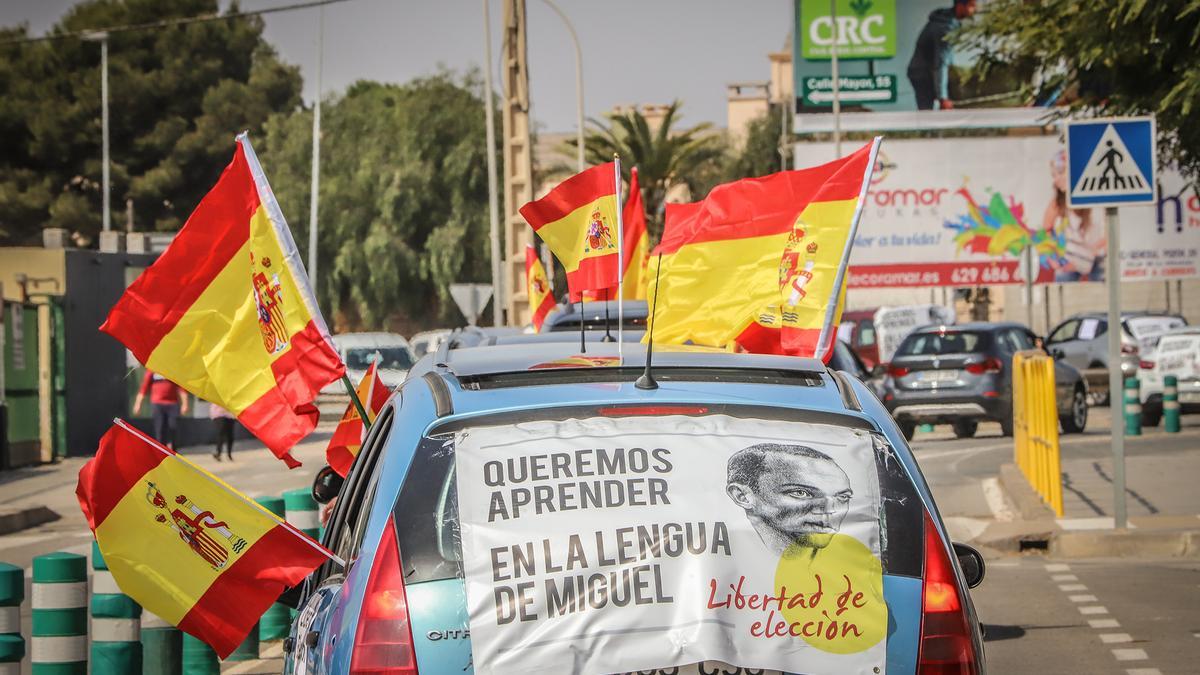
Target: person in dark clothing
column 224, row 423
column 168, row 401
column 929, row 68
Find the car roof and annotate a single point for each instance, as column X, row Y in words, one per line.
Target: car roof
column 981, row 326
column 594, row 311
column 1124, row 315
column 373, row 339
column 1183, row 330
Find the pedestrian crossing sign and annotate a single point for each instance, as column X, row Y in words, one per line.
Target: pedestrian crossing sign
column 1112, row 162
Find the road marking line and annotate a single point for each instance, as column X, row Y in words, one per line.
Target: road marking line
column 1093, row 609
column 1064, row 577
column 1068, row 588
column 1058, row 567
column 993, row 494
column 1112, row 638
column 1104, row 623
column 1130, row 654
column 1143, row 671
column 1083, row 598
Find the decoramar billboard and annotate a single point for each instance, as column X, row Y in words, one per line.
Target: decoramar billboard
column 960, row 212
column 892, row 54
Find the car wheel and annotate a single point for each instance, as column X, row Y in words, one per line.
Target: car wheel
column 1006, row 426
column 1151, row 415
column 908, row 429
column 965, row 428
column 1075, row 420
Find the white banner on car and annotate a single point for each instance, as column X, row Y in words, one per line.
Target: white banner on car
column 609, row 545
column 893, row 324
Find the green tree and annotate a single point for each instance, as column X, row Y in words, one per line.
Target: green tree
column 665, row 155
column 759, row 155
column 177, row 95
column 403, row 203
column 1121, row 57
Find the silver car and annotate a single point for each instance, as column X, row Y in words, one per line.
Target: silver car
column 1082, row 340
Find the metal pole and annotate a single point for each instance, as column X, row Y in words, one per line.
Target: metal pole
column 620, row 258
column 833, row 72
column 316, row 155
column 489, row 116
column 1029, row 274
column 106, row 216
column 578, row 82
column 1116, row 388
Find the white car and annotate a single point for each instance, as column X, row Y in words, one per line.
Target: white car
column 427, row 341
column 359, row 350
column 1177, row 353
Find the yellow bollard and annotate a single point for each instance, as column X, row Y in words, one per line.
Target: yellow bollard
column 1035, row 426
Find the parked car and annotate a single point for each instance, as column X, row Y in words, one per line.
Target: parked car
column 962, row 375
column 427, row 341
column 400, row 604
column 568, row 316
column 1176, row 353
column 359, row 350
column 857, row 329
column 1082, row 340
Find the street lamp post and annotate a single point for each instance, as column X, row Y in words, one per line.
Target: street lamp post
column 316, row 155
column 489, row 117
column 578, row 82
column 106, row 215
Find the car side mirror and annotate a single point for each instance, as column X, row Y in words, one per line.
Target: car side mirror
column 1056, row 353
column 879, row 370
column 971, row 562
column 326, row 485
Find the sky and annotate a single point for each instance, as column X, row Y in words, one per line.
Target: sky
column 647, row 51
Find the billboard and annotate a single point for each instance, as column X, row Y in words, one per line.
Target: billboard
column 892, row 55
column 960, row 212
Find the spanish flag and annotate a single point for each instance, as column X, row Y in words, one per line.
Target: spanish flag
column 727, row 259
column 347, row 438
column 227, row 312
column 635, row 243
column 578, row 221
column 185, row 545
column 541, row 297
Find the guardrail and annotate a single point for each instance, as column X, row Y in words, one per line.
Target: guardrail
column 124, row 637
column 1035, row 426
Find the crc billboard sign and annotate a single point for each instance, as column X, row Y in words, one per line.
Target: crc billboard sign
column 864, row 29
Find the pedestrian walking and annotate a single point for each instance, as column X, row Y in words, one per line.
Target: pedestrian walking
column 167, row 400
column 223, row 421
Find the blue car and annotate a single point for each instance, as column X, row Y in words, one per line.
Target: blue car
column 400, row 606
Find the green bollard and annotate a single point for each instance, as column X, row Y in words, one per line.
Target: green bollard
column 162, row 646
column 199, row 658
column 12, row 645
column 276, row 623
column 1133, row 408
column 116, row 619
column 60, row 616
column 301, row 510
column 1170, row 404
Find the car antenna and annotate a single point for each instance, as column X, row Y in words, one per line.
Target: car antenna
column 646, row 381
column 582, row 327
column 607, row 334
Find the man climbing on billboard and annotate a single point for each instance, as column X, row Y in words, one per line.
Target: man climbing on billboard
column 929, row 68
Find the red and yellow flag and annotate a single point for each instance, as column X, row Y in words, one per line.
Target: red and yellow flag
column 635, row 243
column 759, row 247
column 578, row 221
column 185, row 545
column 348, row 436
column 227, row 312
column 541, row 296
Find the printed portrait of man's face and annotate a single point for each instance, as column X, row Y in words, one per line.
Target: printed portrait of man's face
column 794, row 496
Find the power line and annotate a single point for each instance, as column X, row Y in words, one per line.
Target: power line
column 169, row 23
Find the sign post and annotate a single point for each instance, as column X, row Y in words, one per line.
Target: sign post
column 1111, row 163
column 471, row 299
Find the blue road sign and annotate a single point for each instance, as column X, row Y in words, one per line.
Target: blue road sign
column 1111, row 162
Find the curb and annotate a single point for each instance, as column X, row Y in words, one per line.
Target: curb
column 15, row 520
column 1126, row 544
column 1028, row 502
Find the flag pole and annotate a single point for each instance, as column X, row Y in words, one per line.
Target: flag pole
column 582, row 326
column 362, row 412
column 620, row 259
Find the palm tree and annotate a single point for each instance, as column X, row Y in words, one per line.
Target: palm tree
column 664, row 155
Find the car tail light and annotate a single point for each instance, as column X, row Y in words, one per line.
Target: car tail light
column 897, row 371
column 1146, row 365
column 383, row 643
column 652, row 410
column 1128, row 348
column 989, row 365
column 946, row 643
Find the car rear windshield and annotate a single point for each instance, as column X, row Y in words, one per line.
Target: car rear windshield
column 937, row 344
column 389, row 358
column 427, row 510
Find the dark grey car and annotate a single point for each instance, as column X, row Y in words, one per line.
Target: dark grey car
column 962, row 375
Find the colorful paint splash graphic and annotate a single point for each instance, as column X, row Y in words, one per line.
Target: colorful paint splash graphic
column 1000, row 228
